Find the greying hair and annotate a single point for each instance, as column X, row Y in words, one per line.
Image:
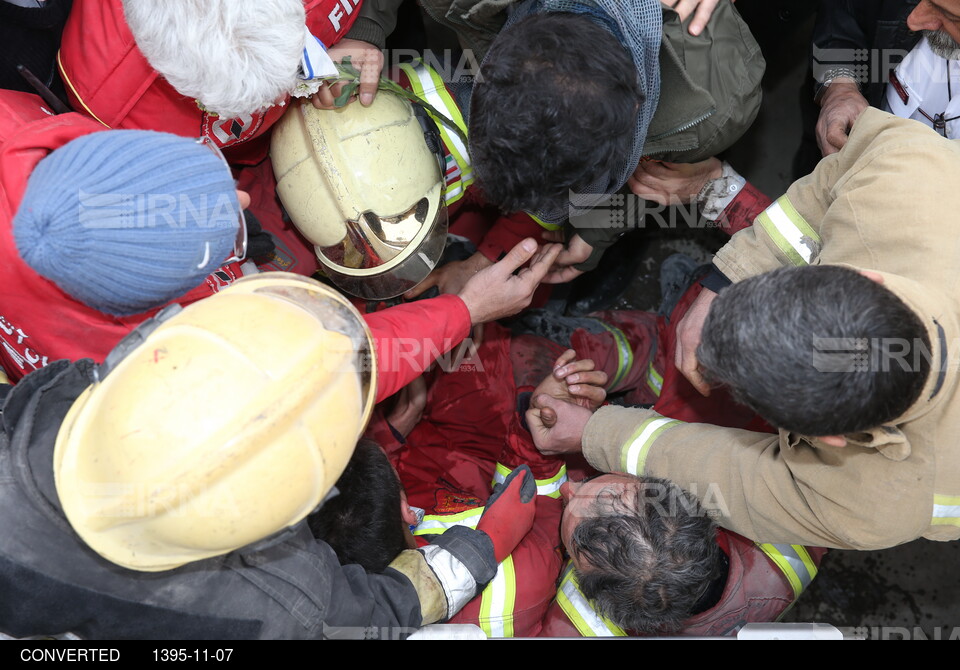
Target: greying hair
column 651, row 555
column 235, row 57
column 818, row 350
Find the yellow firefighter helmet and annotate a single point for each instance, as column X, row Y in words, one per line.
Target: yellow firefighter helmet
column 227, row 423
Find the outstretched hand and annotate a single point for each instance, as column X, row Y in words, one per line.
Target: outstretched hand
column 503, row 289
column 451, row 277
column 576, row 251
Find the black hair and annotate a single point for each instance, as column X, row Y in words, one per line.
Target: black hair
column 554, row 110
column 363, row 524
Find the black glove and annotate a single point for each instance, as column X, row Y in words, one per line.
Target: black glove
column 259, row 242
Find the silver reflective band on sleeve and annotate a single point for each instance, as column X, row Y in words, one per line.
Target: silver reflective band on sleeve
column 458, row 584
column 795, row 562
column 588, row 622
column 545, row 487
column 498, row 601
column 437, row 524
column 946, row 511
column 790, row 232
column 634, row 452
column 500, row 595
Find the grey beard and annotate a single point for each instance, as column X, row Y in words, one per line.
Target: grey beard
column 942, row 44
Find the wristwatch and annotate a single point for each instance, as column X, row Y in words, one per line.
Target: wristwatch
column 832, row 74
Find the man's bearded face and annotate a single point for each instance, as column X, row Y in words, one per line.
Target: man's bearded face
column 942, row 44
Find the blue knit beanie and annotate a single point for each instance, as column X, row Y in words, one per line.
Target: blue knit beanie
column 126, row 220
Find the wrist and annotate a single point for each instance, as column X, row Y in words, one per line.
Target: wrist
column 835, row 82
column 369, row 31
column 720, row 191
column 479, row 262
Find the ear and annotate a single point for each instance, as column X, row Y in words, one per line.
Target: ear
column 834, row 440
column 406, row 513
column 873, row 276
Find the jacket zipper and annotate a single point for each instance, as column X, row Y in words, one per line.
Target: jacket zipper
column 688, row 126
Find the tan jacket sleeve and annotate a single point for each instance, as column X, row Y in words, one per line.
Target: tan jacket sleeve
column 770, row 488
column 850, row 197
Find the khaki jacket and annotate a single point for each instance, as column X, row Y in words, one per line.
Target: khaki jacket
column 887, row 203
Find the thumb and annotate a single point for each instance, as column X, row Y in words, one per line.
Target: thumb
column 548, row 418
column 539, row 421
column 548, row 405
column 517, row 256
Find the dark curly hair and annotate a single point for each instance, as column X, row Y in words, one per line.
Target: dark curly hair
column 553, row 110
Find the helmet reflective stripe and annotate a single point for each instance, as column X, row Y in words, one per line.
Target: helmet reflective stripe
column 795, row 563
column 633, row 454
column 498, row 601
column 790, row 232
column 624, row 354
column 545, row 487
column 654, row 380
column 578, row 609
column 428, row 85
column 437, row 524
column 946, row 511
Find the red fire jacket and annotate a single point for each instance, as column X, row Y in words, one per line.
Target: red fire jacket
column 108, row 78
column 470, row 433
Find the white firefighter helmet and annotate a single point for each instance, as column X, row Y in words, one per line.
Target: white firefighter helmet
column 364, row 185
column 228, row 422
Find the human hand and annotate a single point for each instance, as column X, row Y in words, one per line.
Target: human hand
column 452, row 277
column 408, row 408
column 840, row 107
column 574, row 381
column 496, row 292
column 673, row 183
column 704, row 10
column 576, row 252
column 367, row 58
column 689, row 332
column 557, row 426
